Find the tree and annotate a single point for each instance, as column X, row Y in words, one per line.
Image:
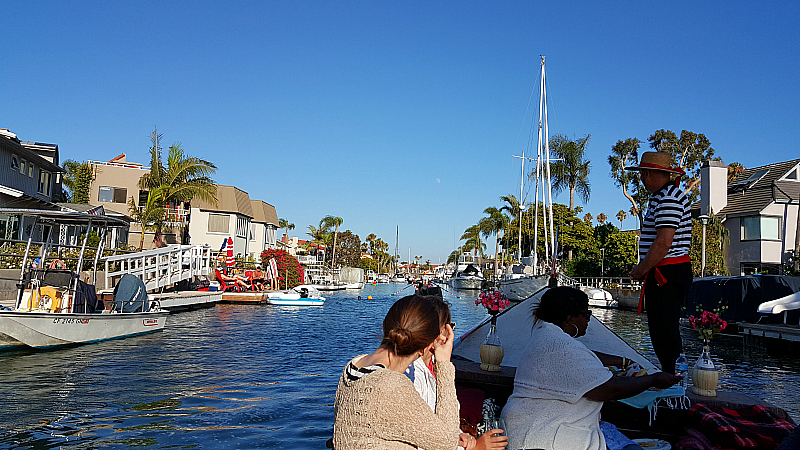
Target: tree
column 283, row 223
column 473, row 240
column 734, row 170
column 332, row 221
column 149, row 216
column 349, row 249
column 588, row 218
column 621, row 216
column 623, row 154
column 453, row 257
column 688, row 152
column 320, row 233
column 572, row 172
column 601, row 218
column 77, row 178
column 180, row 181
column 495, row 222
column 717, row 238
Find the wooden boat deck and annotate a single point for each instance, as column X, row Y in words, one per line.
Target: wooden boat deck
column 781, row 332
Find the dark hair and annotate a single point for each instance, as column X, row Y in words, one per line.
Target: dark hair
column 443, row 308
column 558, row 303
column 410, row 325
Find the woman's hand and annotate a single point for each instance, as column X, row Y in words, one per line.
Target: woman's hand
column 491, row 440
column 663, row 380
column 443, row 350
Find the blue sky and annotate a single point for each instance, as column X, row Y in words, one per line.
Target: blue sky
column 397, row 114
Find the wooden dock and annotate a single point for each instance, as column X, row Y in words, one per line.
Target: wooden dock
column 757, row 335
column 245, row 298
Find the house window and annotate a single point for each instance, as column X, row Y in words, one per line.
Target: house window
column 252, row 232
column 218, row 223
column 112, row 194
column 242, row 225
column 761, row 228
column 30, row 170
column 793, row 175
column 22, row 166
column 14, row 162
column 44, row 182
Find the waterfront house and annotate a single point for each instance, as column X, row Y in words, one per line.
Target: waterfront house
column 263, row 228
column 251, row 223
column 759, row 208
column 29, row 179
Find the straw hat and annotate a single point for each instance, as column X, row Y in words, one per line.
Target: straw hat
column 656, row 161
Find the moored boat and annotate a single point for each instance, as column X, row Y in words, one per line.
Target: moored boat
column 467, row 274
column 303, row 295
column 55, row 308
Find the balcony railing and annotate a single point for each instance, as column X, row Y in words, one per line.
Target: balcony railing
column 174, row 216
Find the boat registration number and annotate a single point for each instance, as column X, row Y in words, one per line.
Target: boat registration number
column 67, row 320
column 149, row 322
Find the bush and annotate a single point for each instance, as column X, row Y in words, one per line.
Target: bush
column 288, row 267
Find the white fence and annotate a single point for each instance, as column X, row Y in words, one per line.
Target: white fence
column 161, row 267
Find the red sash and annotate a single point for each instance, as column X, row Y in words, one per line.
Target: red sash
column 660, row 280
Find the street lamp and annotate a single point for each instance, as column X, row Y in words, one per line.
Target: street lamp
column 704, row 218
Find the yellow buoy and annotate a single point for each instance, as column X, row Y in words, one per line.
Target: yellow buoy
column 369, row 297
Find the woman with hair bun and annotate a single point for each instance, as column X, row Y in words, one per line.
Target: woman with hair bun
column 377, row 405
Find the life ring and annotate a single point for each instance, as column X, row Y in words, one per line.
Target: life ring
column 57, row 264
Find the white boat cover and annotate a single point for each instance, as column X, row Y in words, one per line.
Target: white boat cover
column 514, row 327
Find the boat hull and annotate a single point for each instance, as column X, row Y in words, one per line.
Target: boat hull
column 519, row 289
column 467, row 282
column 296, row 302
column 46, row 330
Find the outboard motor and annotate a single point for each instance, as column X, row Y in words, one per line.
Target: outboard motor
column 303, row 292
column 130, row 295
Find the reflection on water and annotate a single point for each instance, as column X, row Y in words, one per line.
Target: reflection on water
column 239, row 376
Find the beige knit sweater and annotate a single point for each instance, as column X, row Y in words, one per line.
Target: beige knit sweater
column 382, row 410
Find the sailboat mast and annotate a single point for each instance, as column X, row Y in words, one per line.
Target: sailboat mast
column 519, row 205
column 396, row 253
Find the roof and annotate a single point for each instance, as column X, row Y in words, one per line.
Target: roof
column 230, row 199
column 83, row 207
column 66, row 217
column 754, row 196
column 263, row 212
column 14, row 145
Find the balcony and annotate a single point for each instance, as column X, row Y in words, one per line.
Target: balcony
column 174, row 217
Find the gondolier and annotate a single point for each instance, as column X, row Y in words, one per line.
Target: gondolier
column 664, row 255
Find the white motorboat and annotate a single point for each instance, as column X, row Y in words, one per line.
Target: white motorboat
column 601, row 298
column 54, row 308
column 398, row 278
column 303, row 295
column 518, row 287
column 383, row 278
column 352, row 277
column 468, row 273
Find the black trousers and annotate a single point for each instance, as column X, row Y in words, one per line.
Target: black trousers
column 664, row 304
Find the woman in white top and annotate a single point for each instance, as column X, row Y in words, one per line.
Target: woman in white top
column 560, row 385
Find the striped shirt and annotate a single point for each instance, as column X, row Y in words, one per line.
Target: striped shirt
column 668, row 208
column 354, row 373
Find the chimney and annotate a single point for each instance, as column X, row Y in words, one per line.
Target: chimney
column 713, row 187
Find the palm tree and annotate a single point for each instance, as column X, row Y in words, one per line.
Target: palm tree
column 621, row 216
column 473, row 240
column 495, row 222
column 150, row 216
column 181, row 180
column 332, row 221
column 283, row 223
column 601, row 218
column 588, row 218
column 572, row 172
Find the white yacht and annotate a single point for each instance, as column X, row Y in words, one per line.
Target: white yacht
column 468, row 273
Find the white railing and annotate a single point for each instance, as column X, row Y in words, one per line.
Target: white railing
column 173, row 216
column 127, row 165
column 161, row 267
column 308, row 259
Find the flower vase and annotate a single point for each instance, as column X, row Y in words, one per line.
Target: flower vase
column 492, row 350
column 705, row 376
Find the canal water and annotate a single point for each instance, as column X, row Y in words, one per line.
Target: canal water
column 239, row 376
